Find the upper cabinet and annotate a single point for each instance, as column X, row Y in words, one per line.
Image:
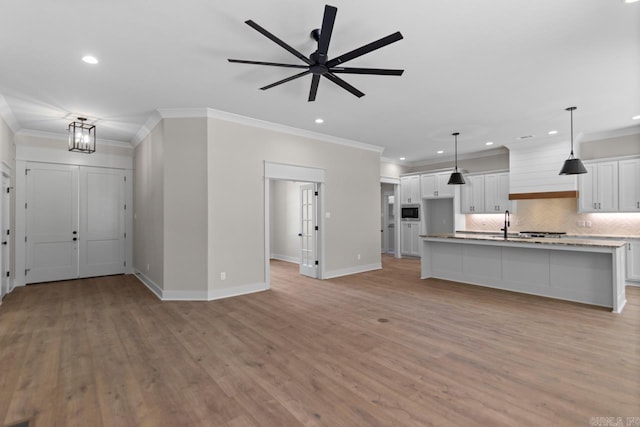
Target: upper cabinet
column 435, row 186
column 410, row 189
column 485, row 193
column 629, row 185
column 598, row 188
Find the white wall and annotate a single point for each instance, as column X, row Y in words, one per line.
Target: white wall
column 284, row 203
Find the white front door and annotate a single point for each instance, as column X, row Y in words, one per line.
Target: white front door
column 52, row 222
column 75, row 222
column 102, row 208
column 308, row 232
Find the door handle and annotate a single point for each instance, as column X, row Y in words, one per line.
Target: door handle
column 75, row 232
column 4, row 243
column 75, row 238
column 299, row 234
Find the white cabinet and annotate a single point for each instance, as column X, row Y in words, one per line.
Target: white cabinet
column 410, row 189
column 434, row 186
column 410, row 238
column 485, row 193
column 633, row 260
column 598, row 188
column 472, row 194
column 496, row 192
column 629, row 185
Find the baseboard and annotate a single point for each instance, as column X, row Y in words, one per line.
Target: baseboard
column 352, row 270
column 199, row 295
column 636, row 284
column 287, row 258
column 237, row 291
column 153, row 287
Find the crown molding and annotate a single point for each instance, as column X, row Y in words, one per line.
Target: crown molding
column 183, row 113
column 146, row 128
column 64, row 137
column 7, row 115
column 632, row 130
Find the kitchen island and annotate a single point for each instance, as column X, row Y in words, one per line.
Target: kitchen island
column 586, row 271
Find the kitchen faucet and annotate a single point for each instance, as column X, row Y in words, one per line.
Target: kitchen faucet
column 507, row 224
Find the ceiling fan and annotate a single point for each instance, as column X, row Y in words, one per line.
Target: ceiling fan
column 318, row 63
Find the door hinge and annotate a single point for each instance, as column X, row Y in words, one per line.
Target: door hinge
column 316, row 228
column 26, row 270
column 125, row 263
column 315, row 193
column 125, row 206
column 316, row 262
column 8, row 274
column 8, row 189
column 8, row 232
column 125, row 235
column 25, row 239
column 25, row 205
column 26, row 171
column 125, row 179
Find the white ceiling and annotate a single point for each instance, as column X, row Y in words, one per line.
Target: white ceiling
column 492, row 70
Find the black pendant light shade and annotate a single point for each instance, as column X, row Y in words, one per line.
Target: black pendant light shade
column 456, row 177
column 573, row 165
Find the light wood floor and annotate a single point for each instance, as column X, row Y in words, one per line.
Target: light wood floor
column 106, row 352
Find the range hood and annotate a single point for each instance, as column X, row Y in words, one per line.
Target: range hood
column 533, row 171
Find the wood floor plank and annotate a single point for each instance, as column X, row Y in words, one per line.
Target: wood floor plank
column 377, row 348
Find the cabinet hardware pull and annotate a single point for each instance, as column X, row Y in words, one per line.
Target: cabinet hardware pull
column 598, row 205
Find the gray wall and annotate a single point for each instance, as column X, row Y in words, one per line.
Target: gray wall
column 236, row 169
column 611, row 147
column 148, row 201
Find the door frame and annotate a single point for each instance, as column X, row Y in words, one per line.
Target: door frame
column 396, row 209
column 6, row 215
column 288, row 172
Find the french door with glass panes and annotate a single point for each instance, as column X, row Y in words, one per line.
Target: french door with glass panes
column 309, row 231
column 75, row 222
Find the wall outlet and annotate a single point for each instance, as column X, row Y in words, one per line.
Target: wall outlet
column 327, row 215
column 587, row 224
column 580, row 223
column 358, row 257
column 223, row 276
column 147, row 267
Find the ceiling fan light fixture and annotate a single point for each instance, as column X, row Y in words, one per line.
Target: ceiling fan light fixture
column 82, row 136
column 573, row 165
column 456, row 177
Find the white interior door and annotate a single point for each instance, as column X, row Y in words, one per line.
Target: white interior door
column 5, row 221
column 102, row 222
column 308, row 231
column 51, row 220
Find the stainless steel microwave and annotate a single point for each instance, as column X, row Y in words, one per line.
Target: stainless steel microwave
column 410, row 213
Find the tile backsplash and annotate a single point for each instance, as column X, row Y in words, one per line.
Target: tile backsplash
column 557, row 215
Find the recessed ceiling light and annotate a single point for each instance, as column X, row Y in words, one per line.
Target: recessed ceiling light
column 488, row 143
column 630, row 1
column 319, row 121
column 635, row 118
column 553, row 132
column 403, row 158
column 440, row 151
column 90, row 59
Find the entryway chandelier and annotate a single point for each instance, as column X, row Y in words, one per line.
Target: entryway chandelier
column 82, row 137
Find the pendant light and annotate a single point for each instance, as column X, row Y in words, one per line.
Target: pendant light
column 573, row 165
column 456, row 177
column 82, row 137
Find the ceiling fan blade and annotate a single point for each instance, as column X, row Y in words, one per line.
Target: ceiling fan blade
column 346, row 86
column 273, row 64
column 365, row 49
column 378, row 71
column 314, row 87
column 325, row 32
column 276, row 40
column 288, row 79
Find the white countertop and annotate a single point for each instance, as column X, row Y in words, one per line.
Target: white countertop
column 564, row 241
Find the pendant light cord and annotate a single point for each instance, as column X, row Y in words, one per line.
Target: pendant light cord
column 456, row 150
column 570, row 109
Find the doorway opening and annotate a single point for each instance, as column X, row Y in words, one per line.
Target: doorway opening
column 294, row 227
column 388, row 219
